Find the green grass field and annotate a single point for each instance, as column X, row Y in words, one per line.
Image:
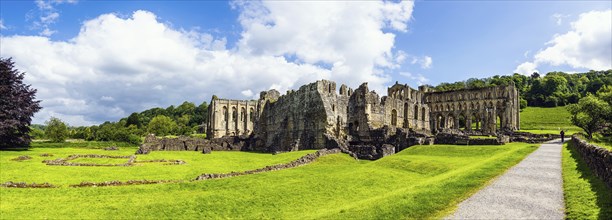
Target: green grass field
column 197, row 163
column 586, row 196
column 419, row 182
column 540, row 120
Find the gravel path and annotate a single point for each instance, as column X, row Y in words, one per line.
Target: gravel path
column 533, row 189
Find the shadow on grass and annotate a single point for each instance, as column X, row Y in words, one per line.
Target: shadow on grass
column 602, row 191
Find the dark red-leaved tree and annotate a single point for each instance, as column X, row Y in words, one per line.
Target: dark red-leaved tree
column 17, row 106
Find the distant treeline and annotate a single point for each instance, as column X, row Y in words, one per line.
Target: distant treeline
column 554, row 89
column 185, row 119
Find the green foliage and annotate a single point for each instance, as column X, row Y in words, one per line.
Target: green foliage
column 162, row 125
column 37, row 133
column 419, row 182
column 133, row 119
column 586, row 196
column 56, row 131
column 523, row 103
column 591, row 113
column 554, row 89
column 17, row 106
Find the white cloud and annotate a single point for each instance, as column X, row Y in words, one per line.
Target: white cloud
column 48, row 15
column 587, row 45
column 247, row 93
column 559, row 18
column 2, row 27
column 348, row 36
column 120, row 65
column 424, row 61
column 526, row 68
column 419, row 78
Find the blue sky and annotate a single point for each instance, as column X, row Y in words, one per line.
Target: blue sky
column 94, row 61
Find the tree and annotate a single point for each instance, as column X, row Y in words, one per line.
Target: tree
column 590, row 114
column 56, row 131
column 161, row 125
column 133, row 119
column 17, row 106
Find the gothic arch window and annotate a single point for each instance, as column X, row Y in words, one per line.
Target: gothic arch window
column 416, row 112
column 225, row 114
column 234, row 114
column 252, row 115
column 242, row 114
column 423, row 113
column 393, row 117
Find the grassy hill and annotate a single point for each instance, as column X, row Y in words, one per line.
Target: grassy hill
column 419, row 182
column 547, row 120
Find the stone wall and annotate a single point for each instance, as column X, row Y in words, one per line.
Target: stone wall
column 227, row 143
column 231, row 117
column 598, row 159
column 300, row 119
column 318, row 112
column 483, row 107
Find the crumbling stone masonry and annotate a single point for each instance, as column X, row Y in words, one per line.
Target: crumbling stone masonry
column 318, row 115
column 598, row 159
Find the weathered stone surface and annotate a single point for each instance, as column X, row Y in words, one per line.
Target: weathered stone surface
column 111, row 148
column 598, row 159
column 531, row 138
column 318, row 116
column 25, row 185
column 206, row 150
column 22, row 158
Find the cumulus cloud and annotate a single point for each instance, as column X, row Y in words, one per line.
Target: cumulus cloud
column 2, row 27
column 419, row 78
column 118, row 65
column 587, row 45
column 48, row 15
column 424, row 61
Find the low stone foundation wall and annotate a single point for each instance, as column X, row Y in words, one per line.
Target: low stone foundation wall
column 120, row 183
column 25, row 185
column 532, row 138
column 598, row 159
column 308, row 158
column 230, row 143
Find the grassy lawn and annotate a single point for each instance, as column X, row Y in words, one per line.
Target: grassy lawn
column 586, row 196
column 540, row 120
column 419, row 182
column 197, row 163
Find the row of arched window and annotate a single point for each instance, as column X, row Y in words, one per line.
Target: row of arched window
column 243, row 116
column 461, row 106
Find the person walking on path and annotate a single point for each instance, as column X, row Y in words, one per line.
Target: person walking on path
column 562, row 136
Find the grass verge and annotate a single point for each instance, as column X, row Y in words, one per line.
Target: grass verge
column 586, row 196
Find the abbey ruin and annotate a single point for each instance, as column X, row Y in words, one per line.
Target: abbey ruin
column 319, row 115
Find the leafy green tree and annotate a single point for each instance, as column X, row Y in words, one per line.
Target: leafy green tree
column 17, row 106
column 161, row 125
column 56, row 131
column 591, row 114
column 37, row 133
column 522, row 103
column 133, row 119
